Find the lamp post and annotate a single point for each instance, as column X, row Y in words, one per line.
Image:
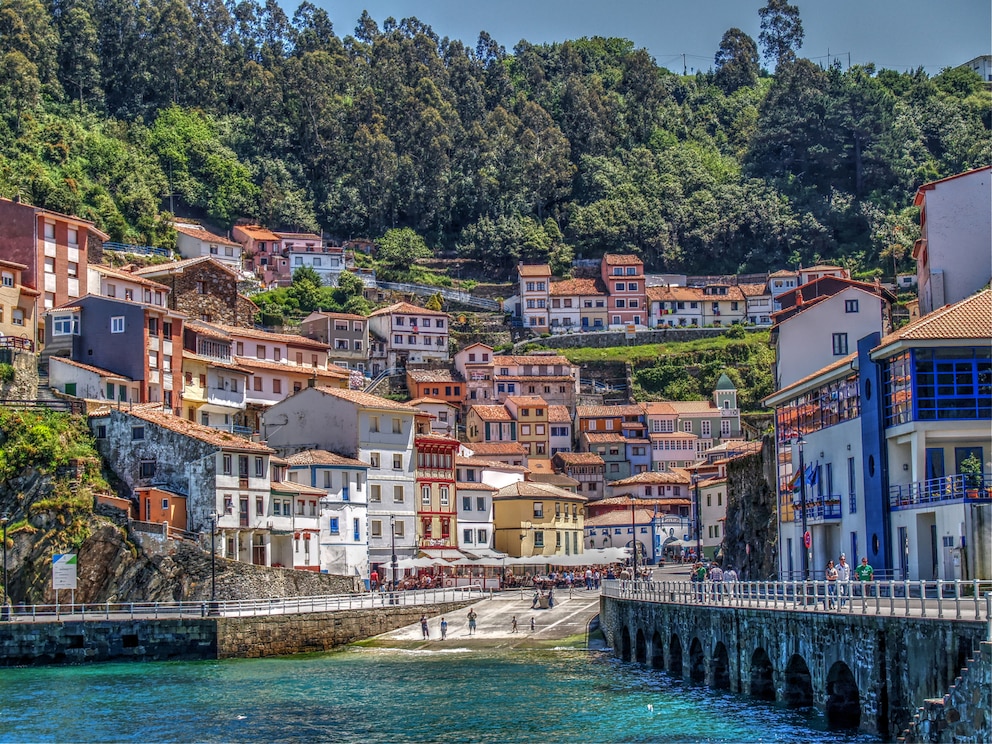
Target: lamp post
column 802, row 505
column 699, row 521
column 4, row 609
column 392, row 535
column 213, row 565
column 633, row 539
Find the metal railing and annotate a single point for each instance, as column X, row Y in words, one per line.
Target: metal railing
column 65, row 406
column 946, row 600
column 936, row 490
column 454, row 295
column 245, row 607
column 16, row 342
column 144, row 250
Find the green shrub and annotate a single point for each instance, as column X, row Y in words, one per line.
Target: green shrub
column 6, row 372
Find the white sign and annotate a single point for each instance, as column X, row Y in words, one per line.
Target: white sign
column 64, row 571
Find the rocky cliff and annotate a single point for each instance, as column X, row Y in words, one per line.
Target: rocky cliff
column 750, row 542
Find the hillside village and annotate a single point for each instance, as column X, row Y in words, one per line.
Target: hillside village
column 296, row 451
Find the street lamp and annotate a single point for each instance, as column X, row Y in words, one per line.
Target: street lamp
column 4, row 609
column 802, row 505
column 633, row 537
column 213, row 565
column 392, row 534
column 699, row 523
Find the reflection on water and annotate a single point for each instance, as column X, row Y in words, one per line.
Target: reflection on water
column 376, row 695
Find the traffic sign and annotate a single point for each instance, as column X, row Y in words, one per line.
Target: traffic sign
column 808, row 539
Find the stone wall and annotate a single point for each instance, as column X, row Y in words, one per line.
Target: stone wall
column 965, row 712
column 78, row 642
column 875, row 667
column 606, row 339
column 282, row 635
column 219, row 301
column 24, row 386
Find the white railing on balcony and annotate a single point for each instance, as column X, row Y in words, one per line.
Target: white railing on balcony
column 224, row 397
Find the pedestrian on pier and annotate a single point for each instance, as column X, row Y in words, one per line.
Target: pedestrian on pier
column 513, row 624
column 864, row 573
column 444, row 629
column 532, row 625
column 423, row 627
column 844, row 578
column 471, row 622
column 831, row 573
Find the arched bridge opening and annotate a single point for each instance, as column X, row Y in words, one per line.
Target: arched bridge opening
column 762, row 676
column 657, row 651
column 697, row 662
column 721, row 667
column 843, row 706
column 675, row 666
column 640, row 648
column 798, row 683
column 625, row 644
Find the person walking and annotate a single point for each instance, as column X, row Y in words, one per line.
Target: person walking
column 423, row 627
column 533, row 625
column 843, row 579
column 864, row 573
column 444, row 628
column 831, row 573
column 471, row 622
column 513, row 624
column 716, row 578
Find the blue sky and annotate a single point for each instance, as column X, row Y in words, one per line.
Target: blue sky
column 896, row 34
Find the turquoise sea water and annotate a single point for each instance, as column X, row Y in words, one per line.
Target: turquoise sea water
column 373, row 695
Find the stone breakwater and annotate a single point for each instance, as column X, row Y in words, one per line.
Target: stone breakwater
column 80, row 642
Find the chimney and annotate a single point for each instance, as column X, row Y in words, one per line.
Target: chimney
column 799, row 298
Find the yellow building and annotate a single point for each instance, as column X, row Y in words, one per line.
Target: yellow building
column 17, row 301
column 537, row 519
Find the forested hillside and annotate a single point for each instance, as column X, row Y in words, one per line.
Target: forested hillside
column 119, row 110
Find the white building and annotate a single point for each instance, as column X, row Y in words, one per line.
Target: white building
column 343, row 509
column 953, row 260
column 407, row 334
column 194, row 241
column 368, row 428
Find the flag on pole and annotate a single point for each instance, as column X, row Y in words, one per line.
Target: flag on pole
column 812, row 474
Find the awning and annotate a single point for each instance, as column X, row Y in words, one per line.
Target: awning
column 447, row 554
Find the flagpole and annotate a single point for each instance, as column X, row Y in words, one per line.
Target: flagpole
column 802, row 505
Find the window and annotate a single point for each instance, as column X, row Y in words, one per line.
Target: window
column 147, row 468
column 16, row 316
column 538, row 510
column 399, row 528
column 199, row 288
column 725, row 427
column 277, row 386
column 226, row 466
column 374, row 459
column 117, row 324
column 398, row 494
column 425, row 495
column 373, row 423
column 397, row 426
column 375, row 493
column 482, row 537
column 687, row 426
column 259, row 467
column 335, row 526
column 840, row 344
column 397, row 462
column 850, row 306
column 480, row 503
column 375, row 528
column 538, row 539
column 257, row 383
column 445, row 494
column 137, row 433
column 65, row 325
column 704, row 429
column 631, row 287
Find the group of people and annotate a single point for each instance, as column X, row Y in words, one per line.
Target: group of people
column 840, row 574
column 716, row 575
column 443, row 626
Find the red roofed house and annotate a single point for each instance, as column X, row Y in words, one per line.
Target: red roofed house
column 578, row 304
column 52, row 247
column 623, row 275
column 404, row 334
column 534, row 296
column 194, row 241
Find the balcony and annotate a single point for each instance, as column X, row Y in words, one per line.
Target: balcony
column 819, row 511
column 936, row 491
column 228, row 398
column 241, row 431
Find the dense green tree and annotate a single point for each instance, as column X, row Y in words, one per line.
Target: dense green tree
column 781, row 31
column 399, row 248
column 736, row 61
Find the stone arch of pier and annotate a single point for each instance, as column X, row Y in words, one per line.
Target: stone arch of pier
column 697, row 661
column 675, row 664
column 843, row 700
column 762, row 679
column 640, row 647
column 720, row 666
column 657, row 651
column 798, row 691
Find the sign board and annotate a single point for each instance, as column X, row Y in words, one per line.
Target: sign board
column 63, row 571
column 631, row 331
column 808, row 539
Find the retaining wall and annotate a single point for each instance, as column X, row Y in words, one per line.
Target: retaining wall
column 79, row 642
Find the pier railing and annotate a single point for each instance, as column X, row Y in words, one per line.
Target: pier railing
column 243, row 608
column 952, row 600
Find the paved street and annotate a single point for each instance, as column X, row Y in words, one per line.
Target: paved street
column 568, row 618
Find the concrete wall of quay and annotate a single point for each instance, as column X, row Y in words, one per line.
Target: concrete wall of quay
column 876, row 669
column 80, row 642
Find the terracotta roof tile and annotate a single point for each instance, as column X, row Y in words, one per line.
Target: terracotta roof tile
column 406, row 308
column 621, row 259
column 366, row 400
column 582, row 287
column 608, row 411
column 527, row 400
column 175, row 267
column 559, row 415
column 153, row 414
column 89, row 368
column 201, row 234
column 753, row 290
column 290, row 339
column 496, row 448
column 432, row 375
column 257, row 232
column 595, row 437
column 491, row 413
column 529, row 489
column 481, row 462
column 534, row 270
column 473, row 486
column 530, row 360
column 967, row 320
column 323, row 457
column 332, row 372
column 291, row 487
column 554, row 479
column 655, row 477
column 128, row 276
column 578, row 458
